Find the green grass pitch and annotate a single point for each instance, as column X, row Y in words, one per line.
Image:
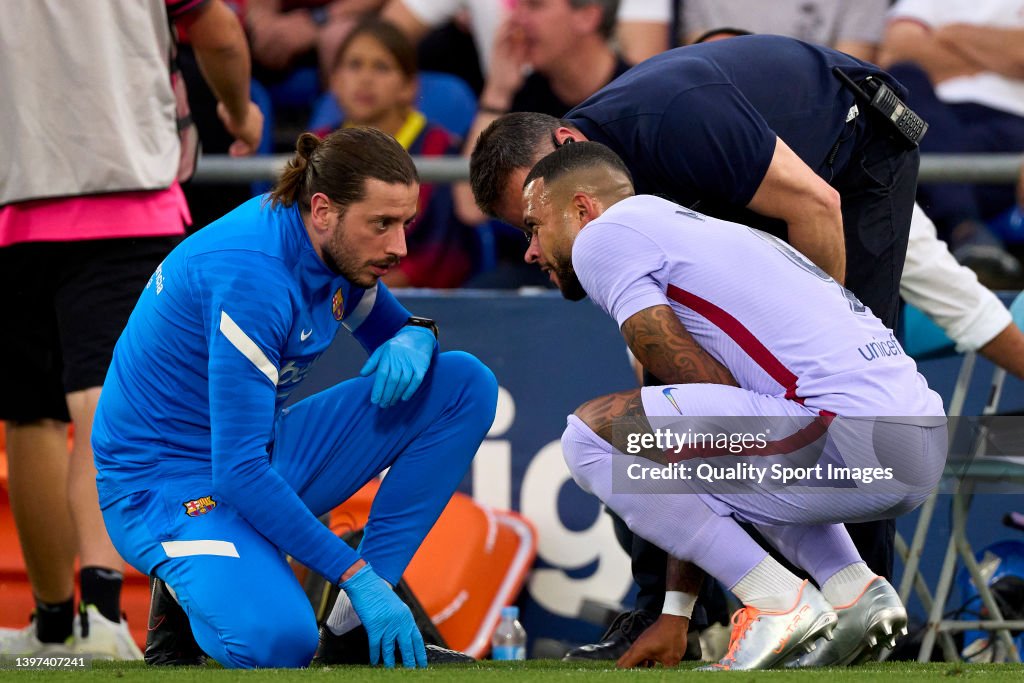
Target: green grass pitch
column 501, row 672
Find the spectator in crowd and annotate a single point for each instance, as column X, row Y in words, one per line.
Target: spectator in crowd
column 963, row 63
column 851, row 27
column 374, row 82
column 565, row 48
column 419, row 19
column 287, row 33
column 642, row 25
column 567, row 45
column 89, row 206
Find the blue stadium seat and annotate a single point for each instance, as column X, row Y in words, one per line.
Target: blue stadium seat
column 922, row 338
column 447, row 100
column 299, row 89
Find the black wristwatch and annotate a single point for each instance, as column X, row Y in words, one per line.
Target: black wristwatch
column 417, row 321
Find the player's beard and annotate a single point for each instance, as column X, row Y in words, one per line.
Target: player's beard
column 568, row 283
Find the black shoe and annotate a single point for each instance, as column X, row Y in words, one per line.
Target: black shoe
column 621, row 635
column 169, row 639
column 353, row 647
column 442, row 655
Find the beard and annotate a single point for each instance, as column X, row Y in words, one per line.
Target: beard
column 340, row 258
column 569, row 284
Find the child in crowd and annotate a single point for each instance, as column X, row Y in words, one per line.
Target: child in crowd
column 374, row 82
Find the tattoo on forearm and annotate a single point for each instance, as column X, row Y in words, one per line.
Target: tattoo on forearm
column 667, row 350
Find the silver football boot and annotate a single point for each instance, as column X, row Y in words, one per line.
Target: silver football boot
column 763, row 639
column 870, row 622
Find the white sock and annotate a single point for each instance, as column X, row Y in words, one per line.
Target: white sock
column 846, row 585
column 769, row 587
column 343, row 617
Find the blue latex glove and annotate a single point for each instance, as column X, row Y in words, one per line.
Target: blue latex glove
column 400, row 364
column 387, row 619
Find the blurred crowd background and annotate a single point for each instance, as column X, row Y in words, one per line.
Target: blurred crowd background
column 434, row 73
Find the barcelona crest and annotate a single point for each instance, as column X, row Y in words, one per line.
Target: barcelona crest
column 199, row 506
column 338, row 305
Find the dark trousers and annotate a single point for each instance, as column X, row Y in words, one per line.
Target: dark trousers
column 877, row 188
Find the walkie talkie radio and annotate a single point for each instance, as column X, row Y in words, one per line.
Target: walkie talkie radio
column 882, row 99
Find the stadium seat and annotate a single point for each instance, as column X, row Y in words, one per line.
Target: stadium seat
column 447, row 99
column 299, row 89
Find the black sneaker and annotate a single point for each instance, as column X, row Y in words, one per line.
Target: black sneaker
column 443, row 655
column 169, row 639
column 353, row 647
column 621, row 635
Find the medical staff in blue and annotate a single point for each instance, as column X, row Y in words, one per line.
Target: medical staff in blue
column 205, row 479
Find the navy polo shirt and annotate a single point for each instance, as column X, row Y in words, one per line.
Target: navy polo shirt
column 699, row 122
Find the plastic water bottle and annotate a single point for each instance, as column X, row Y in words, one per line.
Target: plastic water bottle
column 509, row 640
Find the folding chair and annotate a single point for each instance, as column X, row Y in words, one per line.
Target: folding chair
column 962, row 475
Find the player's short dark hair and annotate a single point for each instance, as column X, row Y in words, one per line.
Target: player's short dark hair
column 512, row 141
column 576, row 156
column 339, row 166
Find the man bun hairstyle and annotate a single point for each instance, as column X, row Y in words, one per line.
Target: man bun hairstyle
column 576, row 156
column 512, row 141
column 339, row 166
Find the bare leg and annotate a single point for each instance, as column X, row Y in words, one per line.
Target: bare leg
column 37, row 454
column 94, row 546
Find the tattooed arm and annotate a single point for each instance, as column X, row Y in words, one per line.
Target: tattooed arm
column 666, row 350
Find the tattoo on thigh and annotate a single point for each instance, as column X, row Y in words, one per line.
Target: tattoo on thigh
column 614, row 416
